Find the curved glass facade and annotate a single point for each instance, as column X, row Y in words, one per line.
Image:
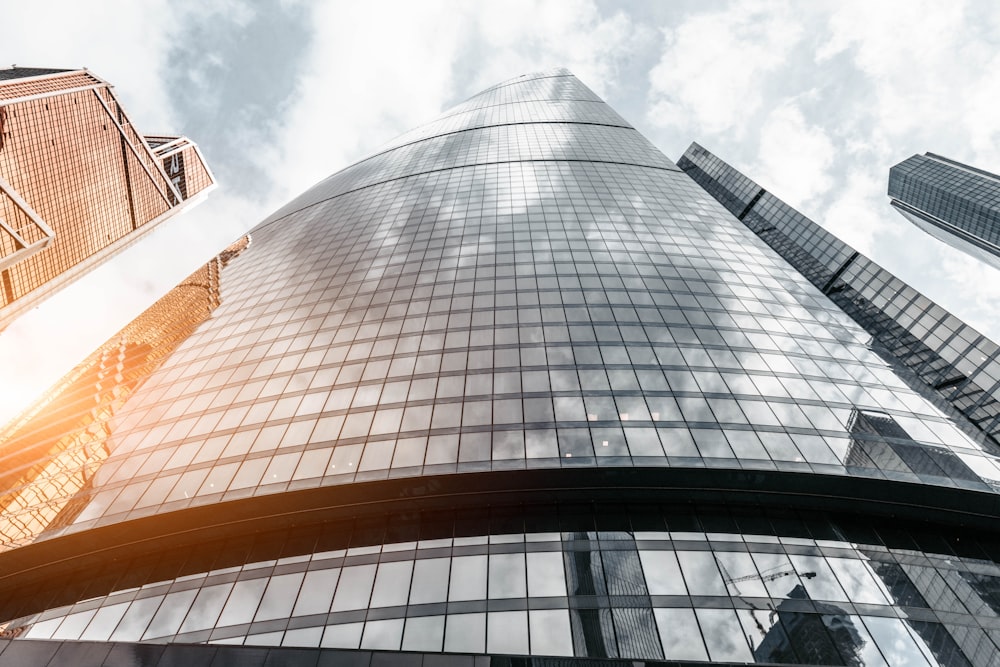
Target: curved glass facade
column 526, row 293
column 563, row 580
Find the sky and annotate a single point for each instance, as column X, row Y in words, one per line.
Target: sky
column 815, row 101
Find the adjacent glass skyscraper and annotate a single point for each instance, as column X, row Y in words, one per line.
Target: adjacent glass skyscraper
column 517, row 385
column 77, row 180
column 951, row 201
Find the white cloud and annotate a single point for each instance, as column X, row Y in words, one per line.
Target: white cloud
column 982, row 117
column 569, row 34
column 857, row 212
column 929, row 64
column 121, row 41
column 795, row 154
column 712, row 72
column 373, row 73
column 962, row 269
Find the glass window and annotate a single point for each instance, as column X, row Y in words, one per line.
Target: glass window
column 468, row 578
column 430, row 580
column 777, row 573
column 549, row 631
column 507, row 632
column 305, row 637
column 346, row 635
column 663, row 575
column 279, row 598
column 134, row 623
column 106, row 620
column 383, row 635
column 170, row 614
column 378, row 455
column 409, row 452
column 507, row 576
column 540, row 444
column 355, row 588
column 857, row 580
column 423, row 633
column 739, row 574
column 643, row 442
column 317, row 592
column 678, row 442
column 392, row 583
column 636, row 632
column 242, row 602
column 345, row 459
column 818, row 578
column 206, row 608
column 545, row 574
column 73, row 625
column 723, row 635
column 700, row 573
column 465, row 633
column 442, row 449
column 679, row 634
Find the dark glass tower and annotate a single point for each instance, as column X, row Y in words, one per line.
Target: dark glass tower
column 517, row 385
column 947, row 359
column 951, row 201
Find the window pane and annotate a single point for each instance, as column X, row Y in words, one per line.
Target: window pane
column 549, row 631
column 663, row 575
column 465, row 633
column 423, row 633
column 507, row 576
column 507, row 632
column 347, row 635
column 355, row 588
column 679, row 634
column 242, row 602
column 170, row 614
column 430, row 580
column 106, row 620
column 723, row 635
column 384, row 635
column 740, row 574
column 73, row 625
column 896, row 643
column 468, row 578
column 317, row 592
column 857, row 581
column 392, row 583
column 279, row 597
column 545, row 575
column 136, row 619
column 700, row 573
column 206, row 608
column 818, row 578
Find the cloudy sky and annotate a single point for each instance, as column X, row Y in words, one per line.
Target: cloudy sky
column 815, row 101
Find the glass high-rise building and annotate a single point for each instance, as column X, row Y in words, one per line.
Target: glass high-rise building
column 78, row 182
column 951, row 201
column 518, row 386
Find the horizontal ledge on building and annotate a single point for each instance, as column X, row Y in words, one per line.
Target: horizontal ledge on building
column 874, row 498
